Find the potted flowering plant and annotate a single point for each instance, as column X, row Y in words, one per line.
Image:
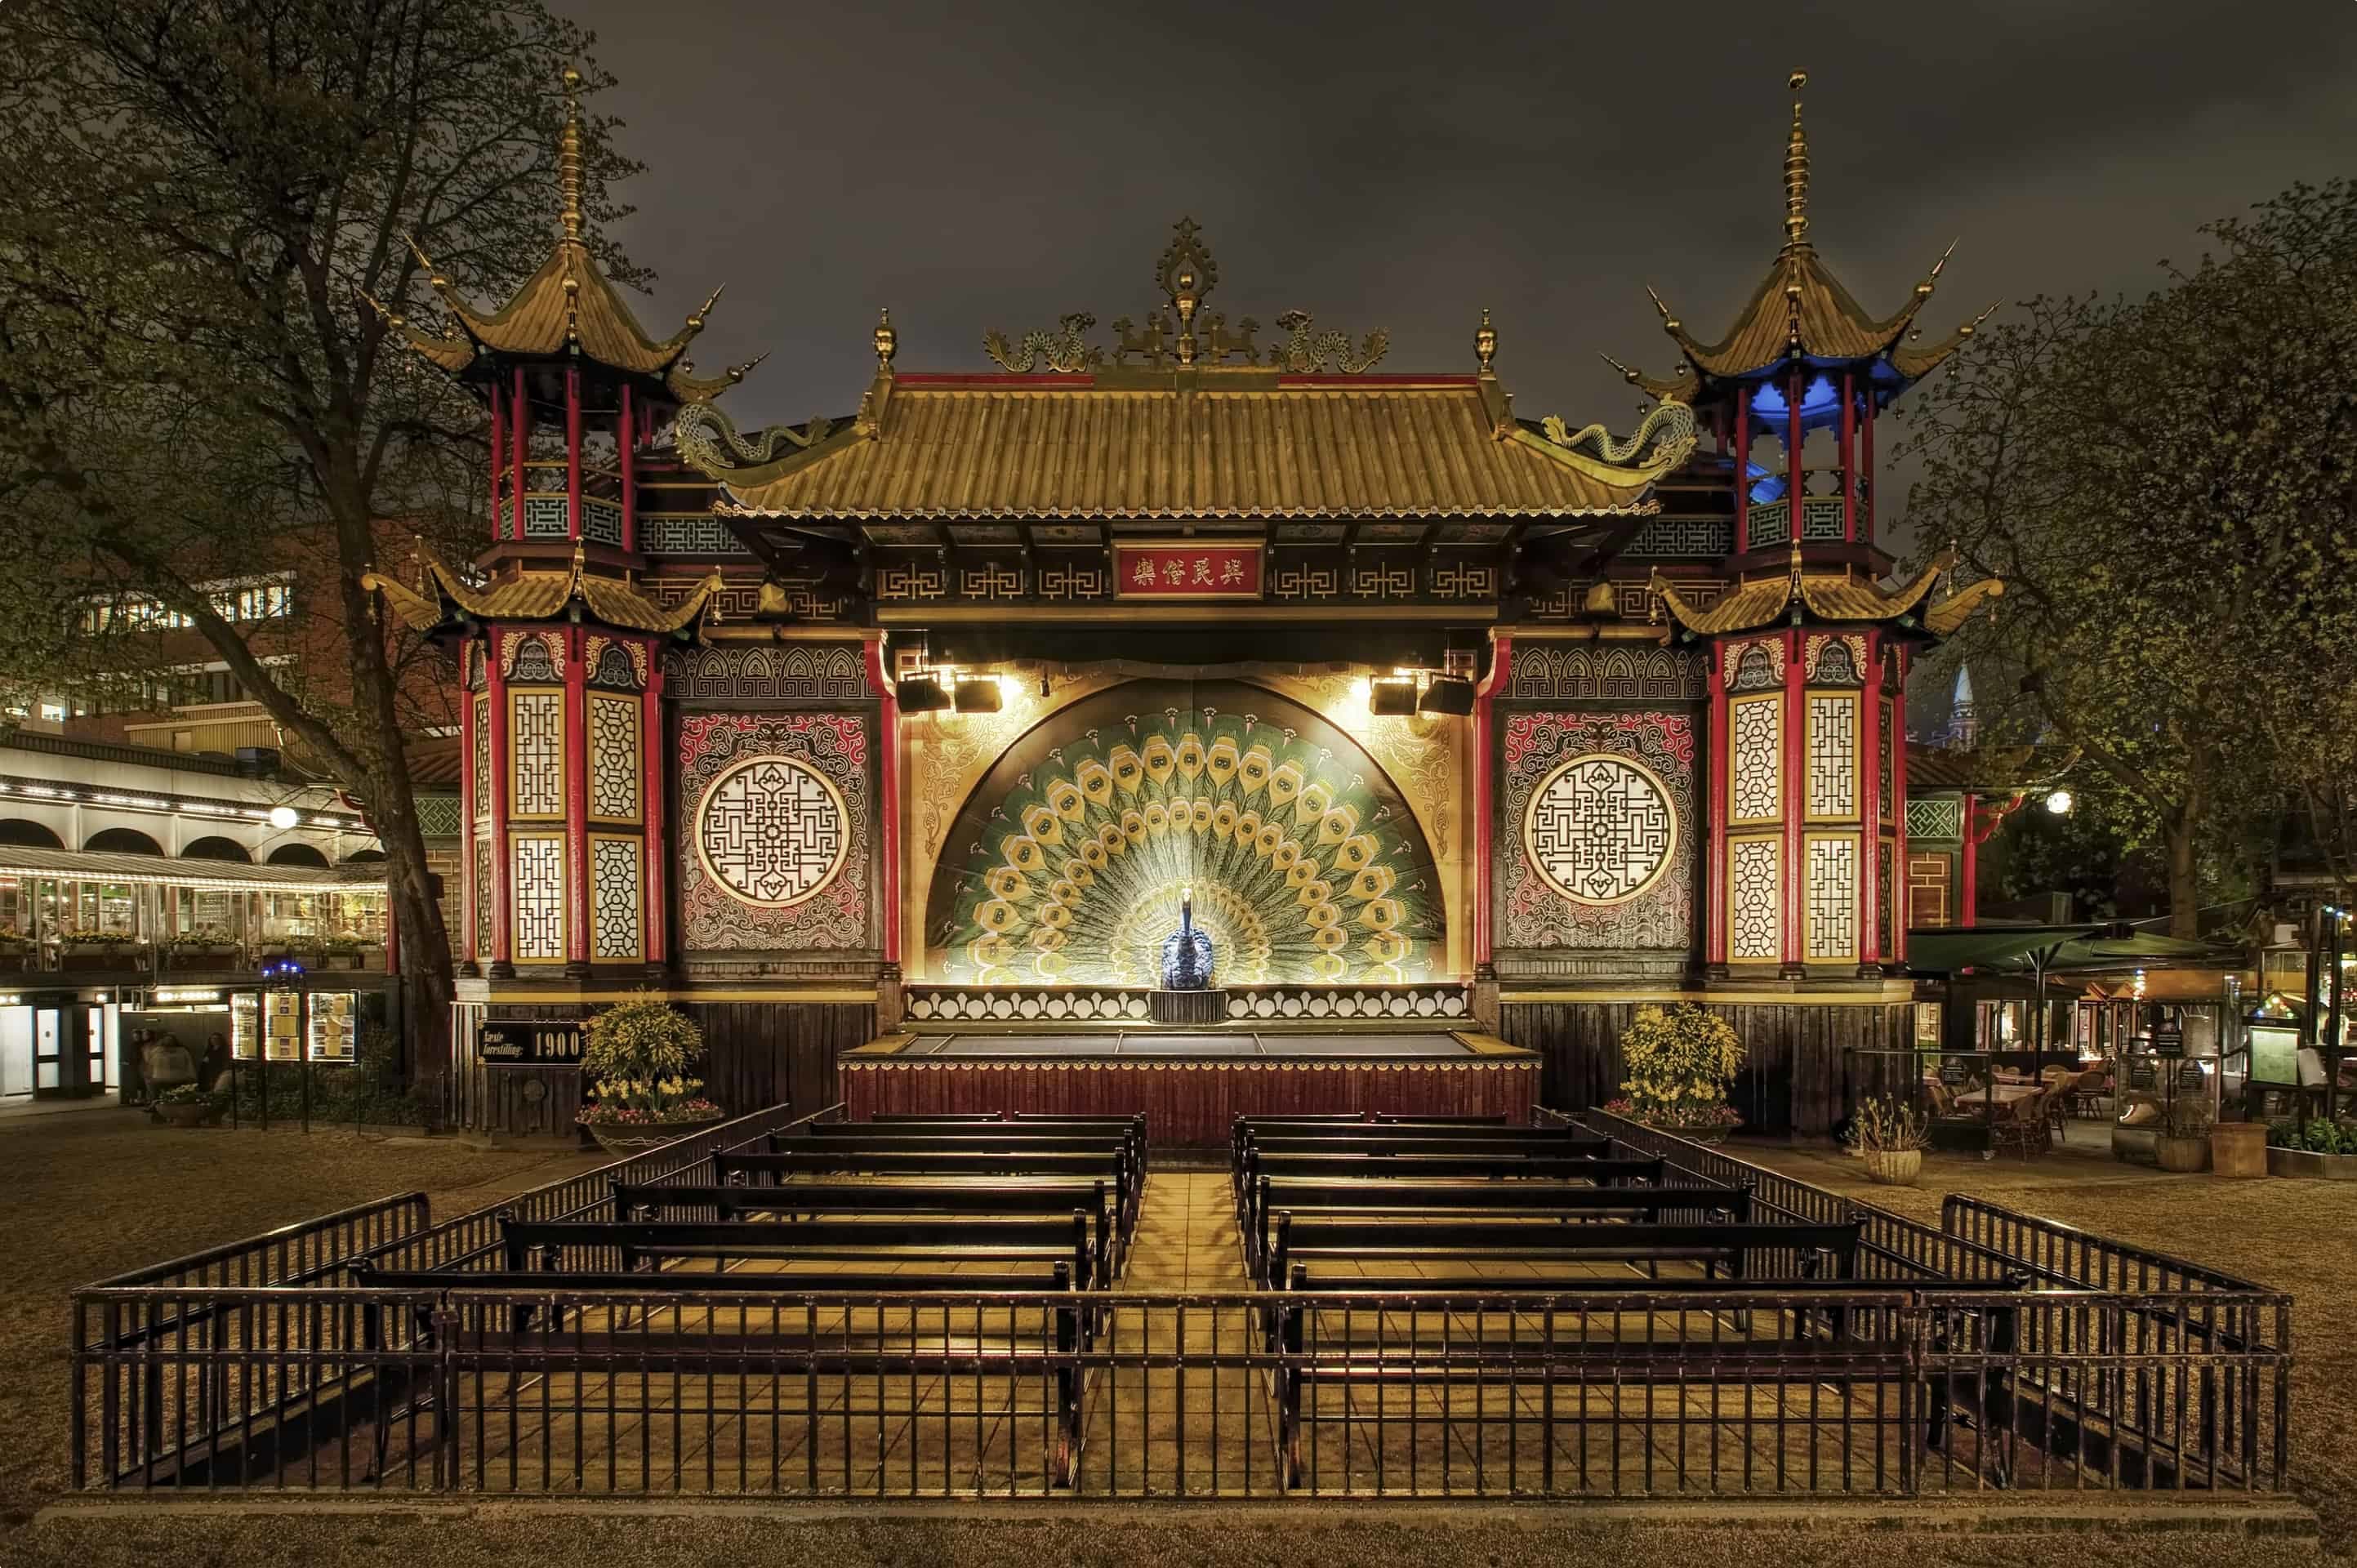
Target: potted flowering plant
column 1681, row 1060
column 93, row 949
column 637, row 1056
column 16, row 949
column 206, row 948
column 186, row 1105
column 1889, row 1136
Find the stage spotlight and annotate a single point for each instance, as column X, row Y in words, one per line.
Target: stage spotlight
column 980, row 694
column 1393, row 697
column 923, row 695
column 1446, row 694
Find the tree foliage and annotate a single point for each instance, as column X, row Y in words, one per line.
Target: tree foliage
column 201, row 197
column 2166, row 484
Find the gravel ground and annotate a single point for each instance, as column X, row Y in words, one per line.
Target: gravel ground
column 96, row 1194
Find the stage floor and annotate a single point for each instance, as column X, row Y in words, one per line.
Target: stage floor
column 1167, row 1045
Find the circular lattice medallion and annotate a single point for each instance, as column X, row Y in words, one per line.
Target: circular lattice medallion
column 1600, row 828
column 772, row 830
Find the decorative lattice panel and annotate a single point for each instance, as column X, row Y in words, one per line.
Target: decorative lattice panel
column 1833, row 755
column 1707, row 537
column 798, row 671
column 1754, row 918
column 483, row 911
column 1822, row 520
column 696, row 534
column 544, row 516
column 772, row 830
column 539, row 901
column 1600, row 828
column 1885, row 895
column 601, row 521
column 614, row 899
column 1756, row 760
column 1935, row 817
column 536, row 753
column 1831, row 895
column 480, row 759
column 714, row 915
column 1770, row 522
column 614, row 759
column 1886, row 750
column 1573, row 674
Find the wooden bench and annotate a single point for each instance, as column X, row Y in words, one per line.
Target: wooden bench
column 1377, row 1192
column 925, row 1239
column 1418, row 1167
column 812, row 1200
column 845, row 1157
column 1415, row 1205
column 1717, row 1246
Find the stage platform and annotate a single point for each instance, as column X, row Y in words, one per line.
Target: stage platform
column 1190, row 1085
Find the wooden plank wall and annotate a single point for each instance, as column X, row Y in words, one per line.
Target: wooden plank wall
column 766, row 1053
column 1795, row 1075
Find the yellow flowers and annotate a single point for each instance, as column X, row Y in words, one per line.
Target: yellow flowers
column 1678, row 1055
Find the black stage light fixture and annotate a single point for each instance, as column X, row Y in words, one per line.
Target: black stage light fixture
column 1446, row 694
column 923, row 695
column 980, row 694
column 1393, row 697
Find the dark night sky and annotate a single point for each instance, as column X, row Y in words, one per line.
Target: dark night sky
column 980, row 165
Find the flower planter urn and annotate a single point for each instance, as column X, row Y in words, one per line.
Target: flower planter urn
column 2182, row 1155
column 2311, row 1166
column 185, row 1112
column 622, row 1141
column 1894, row 1168
column 2238, row 1150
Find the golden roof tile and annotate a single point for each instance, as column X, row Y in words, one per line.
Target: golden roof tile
column 1823, row 597
column 569, row 305
column 1800, row 310
column 1233, row 444
column 533, row 595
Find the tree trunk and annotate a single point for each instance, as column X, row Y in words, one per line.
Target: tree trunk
column 2184, row 886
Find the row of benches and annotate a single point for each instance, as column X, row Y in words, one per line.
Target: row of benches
column 1045, row 1204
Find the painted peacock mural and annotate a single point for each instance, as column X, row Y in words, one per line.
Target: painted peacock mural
column 1069, row 863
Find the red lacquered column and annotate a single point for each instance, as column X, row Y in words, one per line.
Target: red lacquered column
column 519, row 424
column 499, row 453
column 626, row 446
column 464, row 939
column 1485, row 826
column 1849, row 450
column 1899, row 913
column 495, row 687
column 1869, row 798
column 653, row 747
column 887, row 802
column 1742, row 469
column 572, row 452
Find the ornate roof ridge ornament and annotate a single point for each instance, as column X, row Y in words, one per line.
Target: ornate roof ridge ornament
column 1668, row 427
column 1796, row 172
column 1181, row 334
column 708, row 441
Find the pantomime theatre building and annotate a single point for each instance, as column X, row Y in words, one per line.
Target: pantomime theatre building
column 1196, row 716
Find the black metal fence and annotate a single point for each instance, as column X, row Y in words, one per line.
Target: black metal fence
column 1999, row 1350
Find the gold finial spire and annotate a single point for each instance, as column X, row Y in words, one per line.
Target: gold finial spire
column 1485, row 341
column 887, row 342
column 568, row 159
column 1796, row 173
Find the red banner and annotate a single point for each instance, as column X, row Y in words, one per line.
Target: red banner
column 1187, row 571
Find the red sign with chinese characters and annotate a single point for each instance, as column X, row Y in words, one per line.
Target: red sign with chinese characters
column 1187, row 571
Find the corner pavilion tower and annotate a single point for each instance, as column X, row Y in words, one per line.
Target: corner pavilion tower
column 879, row 734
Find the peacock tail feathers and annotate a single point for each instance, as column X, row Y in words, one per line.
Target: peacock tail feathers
column 1303, row 868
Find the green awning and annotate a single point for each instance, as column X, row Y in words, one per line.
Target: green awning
column 2054, row 949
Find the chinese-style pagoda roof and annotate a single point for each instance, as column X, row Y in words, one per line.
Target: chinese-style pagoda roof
column 1235, row 443
column 1184, row 418
column 1836, row 597
column 569, row 307
column 1801, row 310
column 1986, row 769
column 538, row 596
